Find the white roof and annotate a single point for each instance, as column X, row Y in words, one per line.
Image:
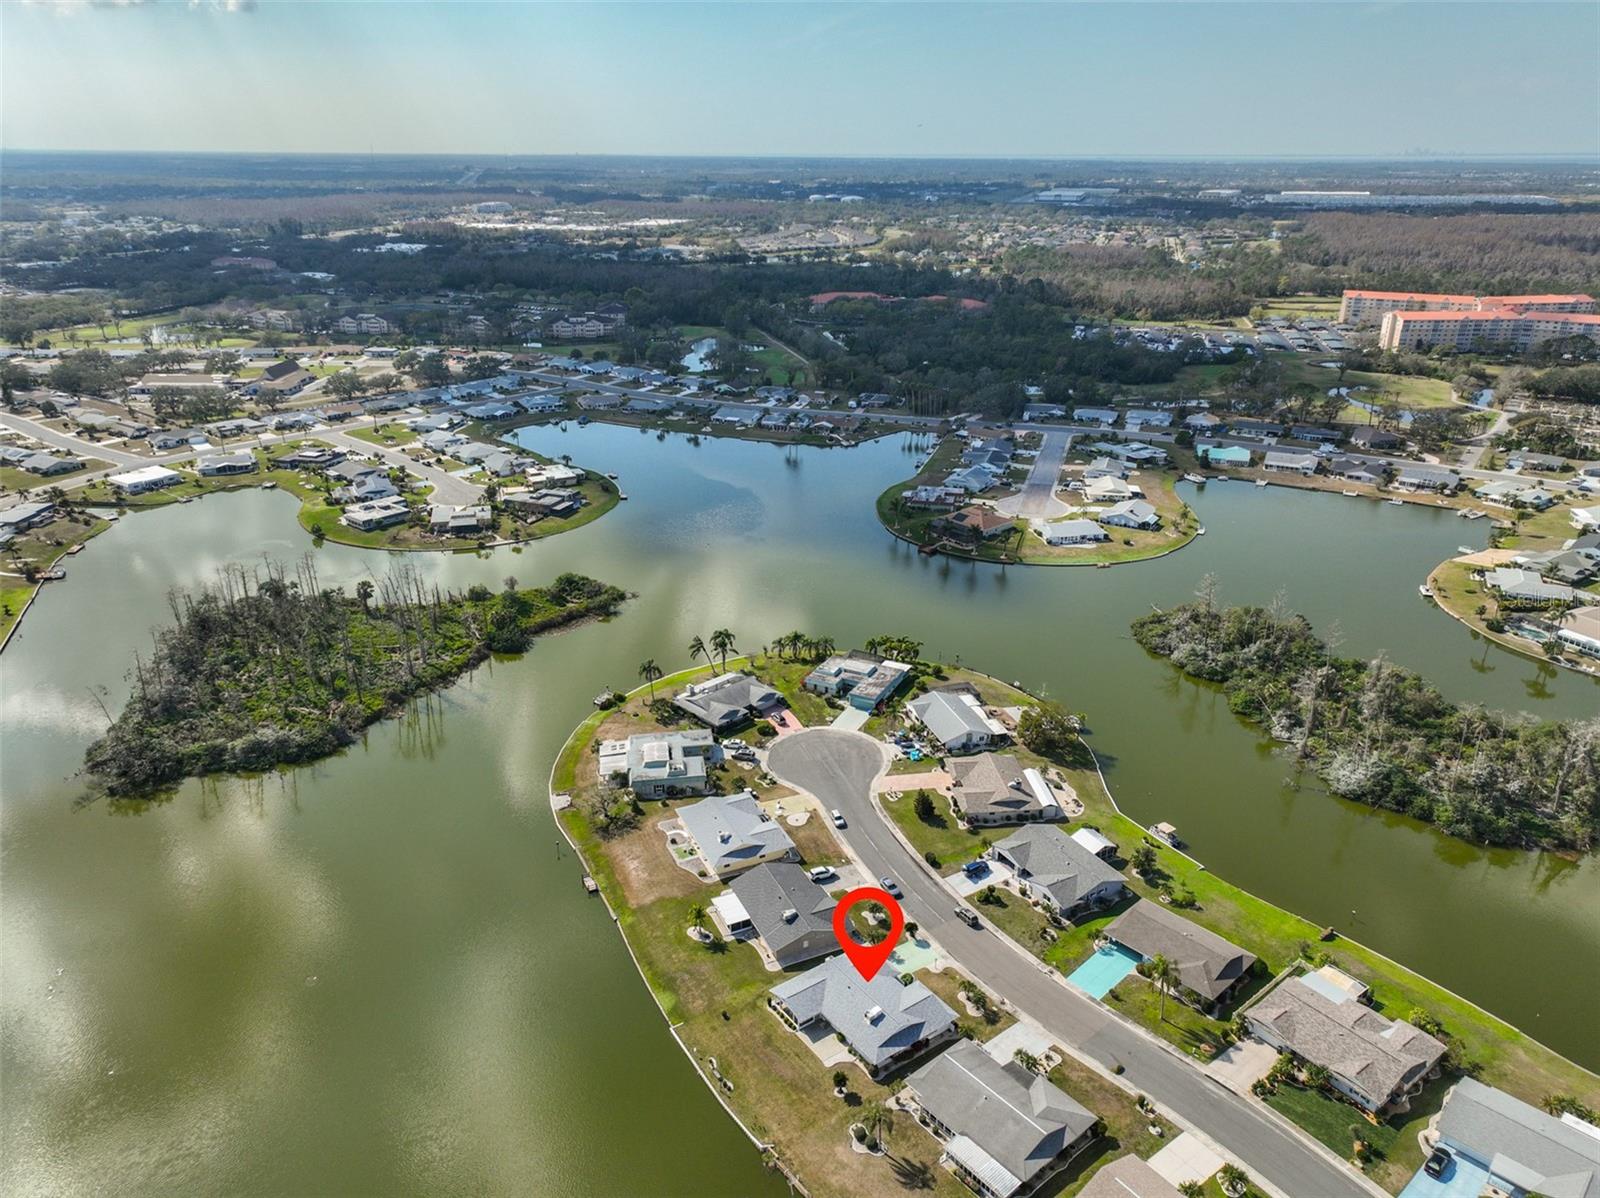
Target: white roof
column 144, row 474
column 1092, row 840
column 732, row 911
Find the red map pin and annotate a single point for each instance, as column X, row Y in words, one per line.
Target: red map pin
column 868, row 958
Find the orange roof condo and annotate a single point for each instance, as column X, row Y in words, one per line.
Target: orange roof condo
column 1370, row 307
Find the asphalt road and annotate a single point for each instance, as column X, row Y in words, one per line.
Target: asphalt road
column 1038, row 495
column 838, row 767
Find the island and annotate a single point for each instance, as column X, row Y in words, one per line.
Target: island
column 270, row 668
column 721, row 810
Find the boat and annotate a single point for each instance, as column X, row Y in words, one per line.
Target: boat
column 1197, row 479
column 269, row 485
column 1465, row 549
column 53, row 574
column 620, row 495
column 1351, row 494
column 611, row 476
column 1261, row 482
column 1201, row 531
column 1475, row 515
column 1424, row 591
column 1165, row 832
column 1396, row 502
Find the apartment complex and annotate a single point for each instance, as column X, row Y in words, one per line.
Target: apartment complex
column 1370, row 307
column 1503, row 328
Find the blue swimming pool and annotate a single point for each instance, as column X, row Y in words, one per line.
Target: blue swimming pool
column 1103, row 970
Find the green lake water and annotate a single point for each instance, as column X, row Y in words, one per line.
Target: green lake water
column 380, row 975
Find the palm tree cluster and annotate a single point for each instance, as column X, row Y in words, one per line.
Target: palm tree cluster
column 802, row 647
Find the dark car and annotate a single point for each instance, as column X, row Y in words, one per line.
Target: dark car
column 1438, row 1163
column 975, row 869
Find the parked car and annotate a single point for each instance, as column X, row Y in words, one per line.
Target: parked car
column 969, row 917
column 891, row 886
column 1438, row 1162
column 838, row 818
column 975, row 869
column 821, row 873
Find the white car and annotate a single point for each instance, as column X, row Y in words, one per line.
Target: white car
column 838, row 818
column 821, row 873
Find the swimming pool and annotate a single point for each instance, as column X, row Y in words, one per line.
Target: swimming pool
column 1103, row 970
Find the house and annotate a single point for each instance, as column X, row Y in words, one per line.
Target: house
column 1559, row 565
column 553, row 474
column 1004, row 1128
column 994, row 788
column 973, row 523
column 1210, row 970
column 1132, row 451
column 881, row 1022
column 1355, row 470
column 283, row 377
column 728, row 700
column 439, row 422
column 222, row 464
column 1058, row 871
column 1107, row 490
column 1370, row 436
column 1101, row 416
column 493, row 411
column 311, row 457
column 973, row 479
column 144, row 479
column 542, row 401
column 181, row 438
column 736, row 414
column 933, row 497
column 1512, row 493
column 20, row 517
column 1585, row 518
column 1147, row 418
column 789, row 913
column 1042, row 411
column 1290, row 463
column 1523, row 1150
column 1515, row 583
column 1223, row 455
column 1427, row 478
column 441, row 442
column 865, row 677
column 1128, row 1177
column 1524, row 459
column 732, row 833
column 1258, row 430
column 956, row 718
column 1105, row 467
column 549, row 502
column 661, row 765
column 1202, row 422
column 1579, row 629
column 459, row 521
column 381, row 512
column 1131, row 513
column 293, row 420
column 1315, row 433
column 48, row 465
column 1072, row 532
column 1372, row 1060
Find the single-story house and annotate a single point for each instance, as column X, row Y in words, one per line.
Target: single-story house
column 1559, row 565
column 933, row 497
column 1131, row 513
column 459, row 521
column 1290, row 463
column 1202, row 422
column 441, row 442
column 284, row 377
column 974, row 523
column 1427, row 478
column 376, row 513
column 1524, row 1150
column 1370, row 436
column 1107, row 490
column 1584, row 518
column 956, row 718
column 1223, row 455
column 20, row 517
column 1003, row 1127
column 1147, row 417
column 865, row 677
column 973, row 479
column 1579, row 629
column 1210, row 969
column 221, row 464
column 1059, row 871
column 1524, row 459
column 1101, row 416
column 1128, row 1177
column 544, row 502
column 1255, row 429
column 144, row 479
column 180, row 438
column 1355, row 470
column 48, row 465
column 1105, row 467
column 311, row 457
column 661, row 765
column 1042, row 411
column 882, row 1022
column 994, row 788
column 732, row 833
column 1316, row 433
column 1072, row 532
column 728, row 700
column 791, row 914
column 1516, row 583
column 1372, row 1060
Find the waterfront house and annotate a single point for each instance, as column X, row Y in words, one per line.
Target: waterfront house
column 728, row 700
column 1290, row 463
column 1516, row 583
column 1559, row 565
column 144, row 480
column 956, row 718
column 1522, row 1149
column 973, row 523
column 1058, row 871
column 1579, row 630
column 881, row 1022
column 974, row 480
column 1371, row 1059
column 221, row 464
column 1072, row 532
column 1107, row 490
column 933, row 497
column 994, row 788
column 1427, row 478
column 376, row 513
column 789, row 913
column 1210, row 969
column 661, row 765
column 450, row 520
column 1355, row 470
column 20, row 517
column 865, row 678
column 1223, row 455
column 548, row 502
column 1003, row 1128
column 1131, row 513
column 732, row 833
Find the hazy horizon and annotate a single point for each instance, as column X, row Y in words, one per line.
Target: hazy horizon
column 1030, row 82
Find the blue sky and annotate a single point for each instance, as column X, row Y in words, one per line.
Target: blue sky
column 1041, row 79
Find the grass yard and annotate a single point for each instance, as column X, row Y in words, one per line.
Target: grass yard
column 951, row 844
column 14, row 478
column 1127, row 1129
column 1396, row 1155
column 385, row 434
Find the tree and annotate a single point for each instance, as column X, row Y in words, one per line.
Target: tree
column 923, row 806
column 346, row 385
column 1192, row 1189
column 697, row 650
column 878, row 1121
column 1143, row 858
column 1164, row 976
column 1051, row 731
column 840, row 1081
column 697, row 913
column 1566, row 1104
column 1317, row 1076
column 1235, row 1181
column 649, row 671
column 364, row 591
column 721, row 643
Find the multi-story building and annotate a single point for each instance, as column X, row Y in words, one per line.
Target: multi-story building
column 1502, row 328
column 1370, row 307
column 368, row 323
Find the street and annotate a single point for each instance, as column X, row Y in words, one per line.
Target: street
column 838, row 768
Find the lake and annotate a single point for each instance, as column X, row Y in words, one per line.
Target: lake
column 380, row 974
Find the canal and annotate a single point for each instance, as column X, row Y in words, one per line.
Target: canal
column 379, row 973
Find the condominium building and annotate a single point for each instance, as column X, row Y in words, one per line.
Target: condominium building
column 1503, row 328
column 1370, row 307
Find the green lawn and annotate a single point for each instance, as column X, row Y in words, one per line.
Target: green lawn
column 1329, row 1121
column 14, row 478
column 951, row 844
column 385, row 434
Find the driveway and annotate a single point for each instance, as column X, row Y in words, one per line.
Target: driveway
column 1037, row 498
column 838, row 768
column 1242, row 1063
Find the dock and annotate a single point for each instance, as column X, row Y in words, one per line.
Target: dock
column 590, row 885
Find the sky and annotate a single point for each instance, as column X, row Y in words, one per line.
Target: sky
column 1129, row 79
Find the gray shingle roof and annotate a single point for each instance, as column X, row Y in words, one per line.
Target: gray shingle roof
column 1207, row 964
column 1374, row 1054
column 878, row 1019
column 1015, row 1117
column 726, row 699
column 1128, row 1177
column 792, row 914
column 1520, row 1142
column 1055, row 863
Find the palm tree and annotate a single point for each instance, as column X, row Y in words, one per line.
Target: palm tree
column 649, row 671
column 1235, row 1181
column 364, row 591
column 721, row 642
column 698, row 914
column 1164, row 975
column 879, row 1123
column 697, row 650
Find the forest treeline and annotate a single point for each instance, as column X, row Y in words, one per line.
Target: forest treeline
column 1379, row 734
column 268, row 667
